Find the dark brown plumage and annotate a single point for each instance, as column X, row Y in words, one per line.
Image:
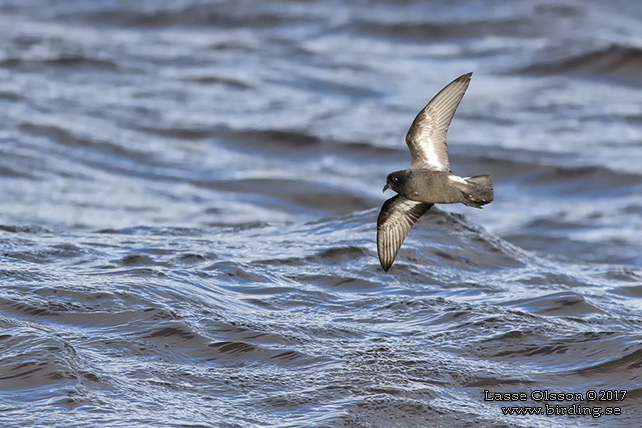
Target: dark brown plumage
column 429, row 180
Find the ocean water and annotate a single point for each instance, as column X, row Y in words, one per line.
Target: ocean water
column 188, row 199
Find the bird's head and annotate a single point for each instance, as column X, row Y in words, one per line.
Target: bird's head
column 395, row 181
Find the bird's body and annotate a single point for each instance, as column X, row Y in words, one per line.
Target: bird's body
column 429, row 179
column 437, row 187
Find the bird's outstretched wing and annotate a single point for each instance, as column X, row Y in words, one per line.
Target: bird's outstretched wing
column 396, row 218
column 426, row 137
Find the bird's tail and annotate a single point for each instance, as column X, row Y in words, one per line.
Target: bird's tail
column 477, row 190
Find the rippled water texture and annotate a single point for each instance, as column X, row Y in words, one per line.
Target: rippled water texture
column 188, row 198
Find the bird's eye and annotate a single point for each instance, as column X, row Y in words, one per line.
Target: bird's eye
column 395, row 179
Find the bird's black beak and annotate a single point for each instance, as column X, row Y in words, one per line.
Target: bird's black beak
column 386, row 187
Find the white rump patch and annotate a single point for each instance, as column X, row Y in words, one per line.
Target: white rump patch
column 457, row 179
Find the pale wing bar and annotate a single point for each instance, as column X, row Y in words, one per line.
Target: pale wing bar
column 396, row 218
column 426, row 137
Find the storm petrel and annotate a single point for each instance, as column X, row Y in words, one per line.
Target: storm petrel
column 429, row 180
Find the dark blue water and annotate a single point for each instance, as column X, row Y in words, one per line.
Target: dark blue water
column 188, row 198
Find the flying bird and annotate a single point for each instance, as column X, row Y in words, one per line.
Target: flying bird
column 429, row 179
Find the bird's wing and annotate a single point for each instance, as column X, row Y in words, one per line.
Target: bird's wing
column 426, row 137
column 397, row 216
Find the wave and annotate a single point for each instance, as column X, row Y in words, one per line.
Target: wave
column 426, row 30
column 62, row 60
column 304, row 296
column 558, row 171
column 235, row 14
column 616, row 61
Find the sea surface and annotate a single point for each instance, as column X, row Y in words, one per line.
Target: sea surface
column 188, row 201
